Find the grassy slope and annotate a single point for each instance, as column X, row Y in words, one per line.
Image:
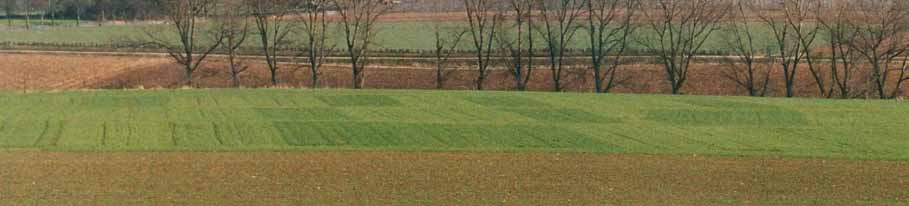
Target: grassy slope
column 415, row 120
column 397, row 35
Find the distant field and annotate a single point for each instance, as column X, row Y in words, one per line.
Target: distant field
column 290, row 120
column 37, row 22
column 393, row 35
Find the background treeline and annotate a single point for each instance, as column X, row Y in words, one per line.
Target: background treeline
column 96, row 10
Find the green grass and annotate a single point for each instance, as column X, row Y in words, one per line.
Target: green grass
column 297, row 120
column 392, row 35
column 37, row 22
column 88, row 33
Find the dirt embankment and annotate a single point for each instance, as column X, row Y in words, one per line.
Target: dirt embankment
column 378, row 178
column 69, row 71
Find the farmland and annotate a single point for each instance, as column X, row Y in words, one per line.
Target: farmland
column 207, row 103
column 341, row 147
column 394, row 178
column 69, row 71
column 255, row 120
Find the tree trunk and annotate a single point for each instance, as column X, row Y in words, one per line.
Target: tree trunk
column 234, row 71
column 9, row 13
column 480, row 80
column 530, row 55
column 78, row 13
column 315, row 55
column 102, row 18
column 274, row 77
column 315, row 80
column 28, row 17
column 50, row 6
column 357, row 77
column 519, row 82
column 440, row 81
column 789, row 90
column 235, row 78
column 558, row 88
column 557, row 82
column 597, row 78
column 188, row 74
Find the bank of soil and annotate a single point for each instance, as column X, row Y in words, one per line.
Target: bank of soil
column 68, row 71
column 387, row 178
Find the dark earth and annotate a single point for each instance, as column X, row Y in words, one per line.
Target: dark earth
column 388, row 178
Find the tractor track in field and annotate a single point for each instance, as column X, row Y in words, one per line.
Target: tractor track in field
column 391, row 178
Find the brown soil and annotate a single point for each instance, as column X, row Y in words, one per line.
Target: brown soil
column 68, row 71
column 411, row 16
column 423, row 16
column 379, row 178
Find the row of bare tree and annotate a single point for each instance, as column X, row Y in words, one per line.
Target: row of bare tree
column 514, row 26
column 284, row 28
column 864, row 38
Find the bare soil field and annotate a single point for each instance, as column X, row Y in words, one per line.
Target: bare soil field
column 423, row 16
column 72, row 71
column 381, row 178
column 457, row 14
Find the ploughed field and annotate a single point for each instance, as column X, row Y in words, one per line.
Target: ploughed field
column 376, row 147
column 68, row 71
column 392, row 178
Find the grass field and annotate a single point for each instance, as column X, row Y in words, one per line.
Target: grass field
column 291, row 120
column 375, row 147
column 392, row 35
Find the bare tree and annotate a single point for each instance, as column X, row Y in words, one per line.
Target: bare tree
column 235, row 26
column 358, row 23
column 740, row 38
column 789, row 47
column 185, row 18
column 314, row 27
column 835, row 22
column 28, row 14
column 881, row 28
column 79, row 8
column 273, row 29
column 447, row 40
column 680, row 29
column 103, row 8
column 483, row 19
column 799, row 17
column 9, row 7
column 518, row 41
column 609, row 26
column 52, row 9
column 560, row 24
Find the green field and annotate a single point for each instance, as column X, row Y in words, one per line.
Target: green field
column 397, row 35
column 297, row 120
